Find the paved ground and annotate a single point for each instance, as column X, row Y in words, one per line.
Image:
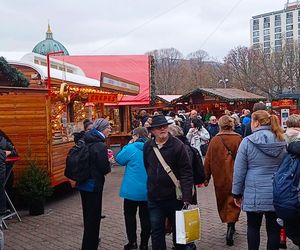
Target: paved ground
column 61, row 226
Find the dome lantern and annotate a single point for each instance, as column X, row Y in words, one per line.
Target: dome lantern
column 49, row 45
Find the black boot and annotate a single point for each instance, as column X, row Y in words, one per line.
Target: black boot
column 230, row 233
column 130, row 246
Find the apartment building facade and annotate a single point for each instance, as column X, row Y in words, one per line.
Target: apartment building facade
column 273, row 30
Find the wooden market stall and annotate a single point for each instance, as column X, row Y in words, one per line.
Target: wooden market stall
column 41, row 118
column 216, row 100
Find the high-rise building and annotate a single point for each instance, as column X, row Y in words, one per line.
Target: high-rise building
column 273, row 30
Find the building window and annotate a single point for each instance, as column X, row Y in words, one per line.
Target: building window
column 277, row 29
column 278, row 36
column 278, row 48
column 289, row 27
column 266, row 25
column 289, row 40
column 256, row 46
column 289, row 34
column 277, row 23
column 256, row 33
column 267, row 50
column 255, row 27
column 289, row 15
column 267, row 32
column 267, row 38
column 255, row 39
column 278, row 42
column 267, row 19
column 289, row 20
column 266, row 44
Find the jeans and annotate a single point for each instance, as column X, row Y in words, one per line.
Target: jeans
column 253, row 230
column 159, row 211
column 91, row 208
column 130, row 209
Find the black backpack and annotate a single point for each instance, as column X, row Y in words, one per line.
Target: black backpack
column 197, row 164
column 78, row 162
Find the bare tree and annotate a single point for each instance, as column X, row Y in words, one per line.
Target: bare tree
column 168, row 71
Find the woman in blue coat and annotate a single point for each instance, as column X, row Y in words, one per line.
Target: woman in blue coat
column 258, row 158
column 134, row 189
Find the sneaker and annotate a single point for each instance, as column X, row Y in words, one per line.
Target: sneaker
column 130, row 246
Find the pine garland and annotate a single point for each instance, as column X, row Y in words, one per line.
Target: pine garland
column 152, row 81
column 12, row 74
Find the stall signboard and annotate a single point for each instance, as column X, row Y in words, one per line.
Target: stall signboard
column 283, row 103
column 111, row 82
column 103, row 98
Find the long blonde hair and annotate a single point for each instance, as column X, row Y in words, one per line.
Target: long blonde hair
column 264, row 118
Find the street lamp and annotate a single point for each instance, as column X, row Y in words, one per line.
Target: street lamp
column 225, row 82
column 48, row 69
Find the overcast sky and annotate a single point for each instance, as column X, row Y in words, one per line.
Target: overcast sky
column 130, row 26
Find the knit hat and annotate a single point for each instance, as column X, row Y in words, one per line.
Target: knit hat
column 101, row 124
column 86, row 123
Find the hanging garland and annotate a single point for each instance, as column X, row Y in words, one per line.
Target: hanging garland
column 12, row 74
column 152, row 80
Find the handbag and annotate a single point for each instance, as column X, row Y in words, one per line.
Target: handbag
column 204, row 148
column 170, row 173
column 188, row 226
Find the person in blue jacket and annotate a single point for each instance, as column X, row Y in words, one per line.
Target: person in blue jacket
column 134, row 189
column 258, row 158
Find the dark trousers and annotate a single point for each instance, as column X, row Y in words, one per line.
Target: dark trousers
column 91, row 208
column 253, row 230
column 2, row 190
column 159, row 211
column 292, row 229
column 130, row 209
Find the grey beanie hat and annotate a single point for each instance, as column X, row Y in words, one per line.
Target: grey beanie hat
column 101, row 124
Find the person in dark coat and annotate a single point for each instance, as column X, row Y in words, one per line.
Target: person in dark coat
column 162, row 202
column 8, row 148
column 213, row 126
column 187, row 123
column 92, row 189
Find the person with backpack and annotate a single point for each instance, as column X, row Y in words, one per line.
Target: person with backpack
column 91, row 189
column 134, row 189
column 287, row 193
column 258, row 158
column 218, row 163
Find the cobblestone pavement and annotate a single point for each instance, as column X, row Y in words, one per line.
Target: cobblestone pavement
column 61, row 226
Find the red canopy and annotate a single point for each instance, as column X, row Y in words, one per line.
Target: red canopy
column 134, row 68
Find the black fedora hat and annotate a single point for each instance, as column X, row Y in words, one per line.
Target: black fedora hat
column 159, row 120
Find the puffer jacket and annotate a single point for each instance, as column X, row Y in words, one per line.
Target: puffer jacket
column 258, row 158
column 134, row 184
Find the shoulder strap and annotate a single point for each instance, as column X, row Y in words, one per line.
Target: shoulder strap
column 227, row 148
column 166, row 166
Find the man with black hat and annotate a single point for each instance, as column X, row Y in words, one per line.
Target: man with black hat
column 162, row 200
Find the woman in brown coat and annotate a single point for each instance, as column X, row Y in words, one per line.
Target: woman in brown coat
column 219, row 162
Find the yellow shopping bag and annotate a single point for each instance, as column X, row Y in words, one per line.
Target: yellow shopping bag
column 188, row 226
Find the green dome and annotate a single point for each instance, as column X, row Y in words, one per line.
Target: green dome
column 49, row 45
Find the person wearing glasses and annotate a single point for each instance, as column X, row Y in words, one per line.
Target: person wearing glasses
column 162, row 202
column 92, row 189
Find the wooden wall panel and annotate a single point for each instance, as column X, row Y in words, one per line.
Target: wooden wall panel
column 23, row 117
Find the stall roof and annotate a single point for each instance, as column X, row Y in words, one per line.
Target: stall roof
column 168, row 98
column 226, row 94
column 288, row 96
column 135, row 68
